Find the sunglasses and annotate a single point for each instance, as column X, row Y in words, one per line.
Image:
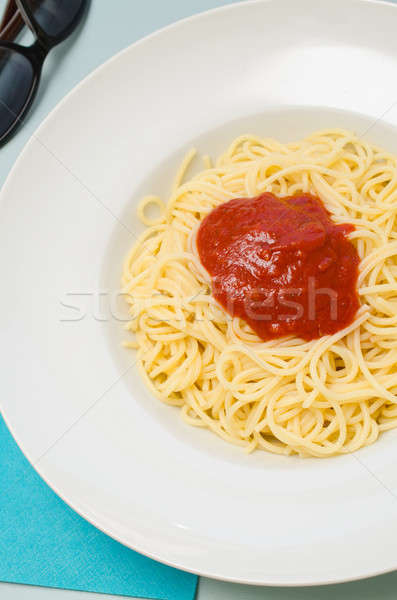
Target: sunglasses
column 51, row 21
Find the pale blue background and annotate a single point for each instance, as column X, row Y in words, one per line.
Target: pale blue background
column 111, row 26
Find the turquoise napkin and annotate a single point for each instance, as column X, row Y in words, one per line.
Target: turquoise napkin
column 44, row 542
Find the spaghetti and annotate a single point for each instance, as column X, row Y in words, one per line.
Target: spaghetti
column 317, row 398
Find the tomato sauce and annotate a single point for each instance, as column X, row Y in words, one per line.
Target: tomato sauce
column 281, row 265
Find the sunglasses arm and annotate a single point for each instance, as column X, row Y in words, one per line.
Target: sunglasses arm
column 12, row 22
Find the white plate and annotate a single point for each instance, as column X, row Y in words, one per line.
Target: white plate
column 119, row 457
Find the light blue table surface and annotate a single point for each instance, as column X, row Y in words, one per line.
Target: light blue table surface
column 111, row 26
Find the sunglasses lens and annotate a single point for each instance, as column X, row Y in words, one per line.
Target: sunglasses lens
column 16, row 81
column 55, row 17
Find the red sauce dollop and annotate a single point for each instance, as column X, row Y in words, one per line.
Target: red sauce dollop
column 281, row 264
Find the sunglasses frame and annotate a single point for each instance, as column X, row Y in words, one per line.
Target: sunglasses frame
column 36, row 55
